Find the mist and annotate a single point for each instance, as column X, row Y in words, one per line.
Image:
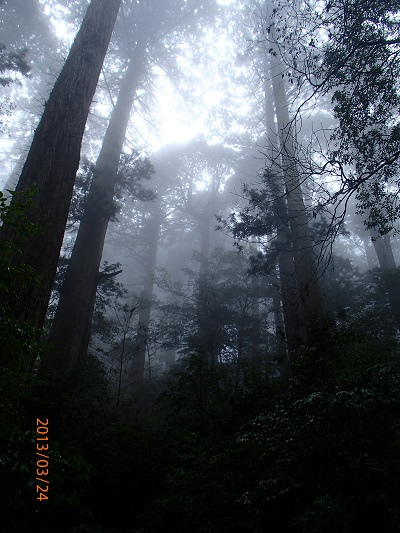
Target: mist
column 199, row 281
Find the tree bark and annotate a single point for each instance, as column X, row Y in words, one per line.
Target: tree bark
column 53, row 158
column 70, row 332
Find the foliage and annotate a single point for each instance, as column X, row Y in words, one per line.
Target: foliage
column 227, row 316
column 207, row 400
column 109, row 290
column 359, row 301
column 197, row 395
column 12, row 62
column 15, row 216
column 322, row 456
column 17, row 421
column 133, row 169
column 107, row 464
column 348, row 50
column 19, row 340
column 22, row 401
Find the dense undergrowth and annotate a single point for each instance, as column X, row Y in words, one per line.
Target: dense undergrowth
column 316, row 451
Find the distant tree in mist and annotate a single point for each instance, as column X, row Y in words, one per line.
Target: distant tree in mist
column 277, row 210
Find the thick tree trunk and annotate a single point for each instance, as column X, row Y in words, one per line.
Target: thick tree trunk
column 139, row 353
column 306, row 268
column 70, row 332
column 53, row 158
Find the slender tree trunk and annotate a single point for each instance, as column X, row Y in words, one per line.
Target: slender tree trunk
column 281, row 346
column 70, row 332
column 139, row 354
column 204, row 333
column 53, row 158
column 255, row 315
column 306, row 268
column 240, row 346
column 123, row 357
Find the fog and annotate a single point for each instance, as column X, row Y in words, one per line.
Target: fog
column 199, row 284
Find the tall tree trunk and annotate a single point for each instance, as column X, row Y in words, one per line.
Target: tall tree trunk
column 204, row 335
column 295, row 334
column 240, row 346
column 70, row 332
column 255, row 315
column 281, row 345
column 139, row 353
column 53, row 158
column 306, row 268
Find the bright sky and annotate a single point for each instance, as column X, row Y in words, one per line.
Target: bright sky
column 179, row 118
column 176, row 118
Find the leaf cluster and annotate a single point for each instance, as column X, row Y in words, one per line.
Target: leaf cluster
column 12, row 62
column 133, row 169
column 17, row 339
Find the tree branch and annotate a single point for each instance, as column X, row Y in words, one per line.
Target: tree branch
column 102, row 276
